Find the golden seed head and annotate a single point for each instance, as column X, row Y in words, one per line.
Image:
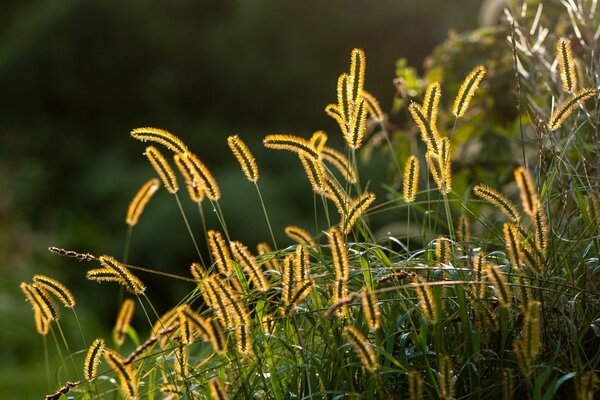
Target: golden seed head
column 463, row 233
column 499, row 282
column 202, row 176
column 121, row 274
column 220, row 252
column 513, row 240
column 124, row 372
column 92, row 359
column 529, row 195
column 269, row 262
column 123, row 321
column 429, row 133
column 373, row 106
column 498, row 200
column 314, row 171
column 161, row 136
column 244, row 157
column 162, row 168
column 566, row 65
column 431, row 102
column 370, row 308
column 291, row 143
column 56, row 288
column 565, row 108
column 299, row 235
column 340, row 162
column 139, row 201
column 318, row 140
column 467, row 90
column 356, row 210
column 249, row 264
column 362, row 347
column 192, row 184
column 427, row 301
column 411, row 179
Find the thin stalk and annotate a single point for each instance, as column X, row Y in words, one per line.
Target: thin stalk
column 205, row 230
column 262, row 203
column 127, row 243
column 68, row 350
column 217, row 210
column 188, row 228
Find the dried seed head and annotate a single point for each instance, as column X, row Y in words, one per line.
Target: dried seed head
column 356, row 210
column 427, row 301
column 429, row 132
column 130, row 281
column 431, row 102
column 513, row 241
column 162, row 168
column 186, row 168
column 314, row 171
column 467, row 90
column 499, row 282
column 370, row 308
column 220, row 252
column 202, row 176
column 124, row 372
column 139, row 201
column 244, row 157
column 291, row 143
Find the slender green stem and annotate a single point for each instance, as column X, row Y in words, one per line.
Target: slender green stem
column 64, row 339
column 217, row 210
column 262, row 203
column 189, row 228
column 204, row 230
column 127, row 243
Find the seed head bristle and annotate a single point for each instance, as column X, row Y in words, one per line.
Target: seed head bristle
column 566, row 65
column 370, row 308
column 343, row 102
column 244, row 157
column 411, row 179
column 479, row 267
column 92, row 359
column 217, row 336
column 373, row 106
column 299, row 235
column 362, row 347
column 56, row 288
column 124, row 372
column 356, row 79
column 357, row 126
column 185, row 167
column 248, row 263
column 162, row 168
column 529, row 195
column 340, row 162
column 220, row 252
column 41, row 301
column 467, row 90
column 302, row 263
column 565, row 108
column 269, row 262
column 499, row 282
column 41, row 323
column 429, row 133
column 498, row 200
column 160, row 136
column 440, row 171
column 334, row 112
column 291, row 143
column 339, row 253
column 513, row 240
column 356, row 210
column 130, row 281
column 197, row 322
column 104, row 275
column 182, row 361
column 427, row 301
column 139, row 201
column 431, row 102
column 288, row 282
column 532, row 330
column 540, row 225
column 335, row 193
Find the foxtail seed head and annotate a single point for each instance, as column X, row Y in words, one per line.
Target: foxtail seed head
column 498, row 200
column 445, row 377
column 356, row 79
column 500, row 283
column 373, row 106
column 244, row 157
column 202, row 176
column 370, row 308
column 363, row 349
column 356, row 210
column 340, row 162
column 299, row 235
column 193, row 187
column 411, row 179
column 92, row 359
column 217, row 390
column 467, row 90
column 291, row 143
column 429, row 132
column 427, row 301
column 56, row 288
column 161, row 136
column 431, row 102
column 220, row 252
column 124, row 372
column 529, row 195
column 318, row 140
column 123, row 321
column 162, row 168
column 565, row 108
column 269, row 262
column 139, row 201
column 130, row 281
column 513, row 241
column 463, row 232
column 248, row 263
column 314, row 171
column 566, row 65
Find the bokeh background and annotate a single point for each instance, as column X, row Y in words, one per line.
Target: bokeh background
column 75, row 78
